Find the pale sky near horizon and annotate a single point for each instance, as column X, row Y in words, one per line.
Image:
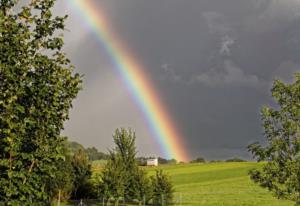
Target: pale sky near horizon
column 212, row 60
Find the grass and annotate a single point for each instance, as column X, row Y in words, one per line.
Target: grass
column 214, row 184
column 218, row 184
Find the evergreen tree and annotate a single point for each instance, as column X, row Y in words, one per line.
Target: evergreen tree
column 281, row 174
column 37, row 86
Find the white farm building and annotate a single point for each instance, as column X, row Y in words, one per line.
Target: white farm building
column 152, row 162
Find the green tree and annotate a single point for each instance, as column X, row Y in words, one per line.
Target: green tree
column 113, row 178
column 61, row 185
column 121, row 176
column 198, row 160
column 37, row 86
column 281, row 173
column 235, row 159
column 82, row 174
column 94, row 154
column 163, row 190
column 74, row 147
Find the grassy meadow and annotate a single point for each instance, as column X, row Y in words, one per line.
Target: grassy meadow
column 214, row 184
column 218, row 184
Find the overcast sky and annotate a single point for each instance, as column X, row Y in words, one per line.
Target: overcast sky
column 213, row 61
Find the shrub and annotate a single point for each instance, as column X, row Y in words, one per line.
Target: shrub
column 198, row 160
column 235, row 160
column 162, row 187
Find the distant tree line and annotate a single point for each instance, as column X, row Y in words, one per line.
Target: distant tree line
column 92, row 152
column 142, row 161
column 202, row 160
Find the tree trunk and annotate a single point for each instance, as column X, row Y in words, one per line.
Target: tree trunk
column 58, row 201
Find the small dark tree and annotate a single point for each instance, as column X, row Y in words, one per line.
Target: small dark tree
column 37, row 86
column 281, row 173
column 162, row 189
column 81, row 173
column 61, row 185
column 198, row 160
column 235, row 159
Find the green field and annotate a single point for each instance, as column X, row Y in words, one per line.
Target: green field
column 214, row 184
column 218, row 184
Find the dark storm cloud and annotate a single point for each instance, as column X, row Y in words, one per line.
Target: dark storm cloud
column 213, row 62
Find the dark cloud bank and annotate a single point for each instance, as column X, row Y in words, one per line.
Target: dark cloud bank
column 213, row 62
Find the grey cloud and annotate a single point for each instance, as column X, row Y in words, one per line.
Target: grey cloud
column 170, row 73
column 215, row 22
column 285, row 70
column 227, row 42
column 212, row 61
column 228, row 75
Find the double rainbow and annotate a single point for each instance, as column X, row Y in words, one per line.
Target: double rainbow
column 131, row 73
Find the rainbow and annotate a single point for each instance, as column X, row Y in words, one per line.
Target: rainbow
column 131, row 73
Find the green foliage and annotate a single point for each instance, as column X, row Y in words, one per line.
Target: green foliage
column 61, row 185
column 162, row 189
column 216, row 161
column 37, row 86
column 142, row 161
column 121, row 178
column 217, row 184
column 281, row 125
column 82, row 174
column 198, row 160
column 74, row 147
column 235, row 160
column 94, row 154
column 166, row 161
column 113, row 178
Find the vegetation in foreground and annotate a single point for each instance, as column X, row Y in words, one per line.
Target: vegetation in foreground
column 215, row 184
column 122, row 180
column 37, row 86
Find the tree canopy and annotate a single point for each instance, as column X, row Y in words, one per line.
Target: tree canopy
column 282, row 131
column 37, row 86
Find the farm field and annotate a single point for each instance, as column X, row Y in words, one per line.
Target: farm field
column 219, row 184
column 215, row 184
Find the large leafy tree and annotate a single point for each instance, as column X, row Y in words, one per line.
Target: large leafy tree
column 37, row 86
column 281, row 173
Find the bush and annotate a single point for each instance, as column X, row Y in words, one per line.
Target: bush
column 162, row 187
column 216, row 161
column 166, row 161
column 198, row 160
column 235, row 160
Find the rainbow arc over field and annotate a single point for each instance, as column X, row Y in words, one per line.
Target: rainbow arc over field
column 132, row 74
